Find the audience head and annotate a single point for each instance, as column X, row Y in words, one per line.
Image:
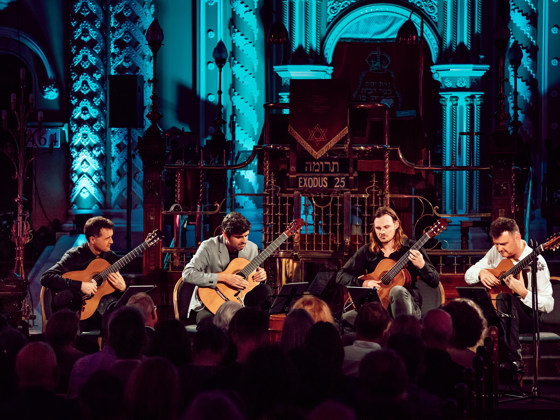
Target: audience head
column 145, row 304
column 209, row 345
column 317, row 308
column 437, row 329
column 102, row 397
column 296, row 326
column 371, row 321
column 332, row 410
column 411, row 350
column 126, row 332
column 383, row 375
column 172, row 342
column 152, row 391
column 214, row 405
column 248, row 329
column 468, row 323
column 36, row 366
column 225, row 313
column 405, row 324
column 62, row 328
column 324, row 343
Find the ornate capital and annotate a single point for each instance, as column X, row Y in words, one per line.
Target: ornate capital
column 459, row 77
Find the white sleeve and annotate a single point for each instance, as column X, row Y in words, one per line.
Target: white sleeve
column 545, row 298
column 489, row 261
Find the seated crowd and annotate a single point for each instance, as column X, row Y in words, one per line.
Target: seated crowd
column 230, row 368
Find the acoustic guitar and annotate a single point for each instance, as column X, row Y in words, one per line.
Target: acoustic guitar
column 99, row 269
column 393, row 273
column 507, row 268
column 214, row 298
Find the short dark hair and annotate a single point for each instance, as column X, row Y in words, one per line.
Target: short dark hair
column 93, row 226
column 501, row 225
column 371, row 321
column 235, row 224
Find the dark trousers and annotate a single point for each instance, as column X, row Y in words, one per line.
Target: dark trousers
column 516, row 318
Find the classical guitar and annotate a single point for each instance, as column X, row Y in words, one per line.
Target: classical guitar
column 507, row 268
column 214, row 298
column 99, row 269
column 393, row 273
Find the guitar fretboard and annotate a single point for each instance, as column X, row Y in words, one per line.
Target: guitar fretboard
column 259, row 259
column 399, row 265
column 516, row 269
column 120, row 263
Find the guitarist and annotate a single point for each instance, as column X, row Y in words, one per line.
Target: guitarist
column 69, row 293
column 387, row 240
column 515, row 309
column 206, row 268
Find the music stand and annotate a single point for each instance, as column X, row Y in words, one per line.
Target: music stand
column 361, row 295
column 132, row 290
column 289, row 293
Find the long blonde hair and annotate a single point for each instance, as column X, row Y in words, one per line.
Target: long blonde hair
column 375, row 245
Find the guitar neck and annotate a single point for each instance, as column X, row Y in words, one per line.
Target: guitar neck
column 121, row 262
column 399, row 265
column 259, row 259
column 516, row 269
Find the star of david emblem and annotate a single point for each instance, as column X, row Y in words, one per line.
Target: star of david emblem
column 317, row 135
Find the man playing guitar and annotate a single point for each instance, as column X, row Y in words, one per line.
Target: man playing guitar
column 387, row 241
column 516, row 309
column 206, row 268
column 69, row 293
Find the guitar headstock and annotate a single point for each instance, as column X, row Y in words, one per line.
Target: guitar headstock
column 437, row 227
column 552, row 243
column 154, row 237
column 294, row 227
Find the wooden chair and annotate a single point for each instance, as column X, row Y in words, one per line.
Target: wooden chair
column 432, row 298
column 182, row 293
column 46, row 306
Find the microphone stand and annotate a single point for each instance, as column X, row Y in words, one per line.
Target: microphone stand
column 536, row 334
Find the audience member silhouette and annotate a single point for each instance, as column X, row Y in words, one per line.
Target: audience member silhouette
column 384, row 383
column 11, row 342
column 249, row 330
column 215, row 405
column 209, row 346
column 152, row 391
column 370, row 324
column 172, row 342
column 61, row 332
column 404, row 324
column 468, row 327
column 297, row 324
column 101, row 397
column 422, row 404
column 441, row 373
column 225, row 313
column 145, row 304
column 37, row 376
column 126, row 338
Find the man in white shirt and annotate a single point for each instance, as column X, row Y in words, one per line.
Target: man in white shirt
column 515, row 307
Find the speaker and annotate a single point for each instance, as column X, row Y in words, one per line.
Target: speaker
column 126, row 101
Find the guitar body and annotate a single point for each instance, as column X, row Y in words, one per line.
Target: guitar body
column 500, row 270
column 401, row 279
column 89, row 306
column 214, row 298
